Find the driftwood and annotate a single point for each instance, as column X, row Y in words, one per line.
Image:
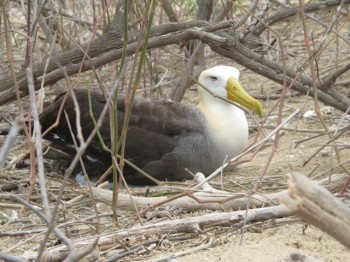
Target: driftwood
column 207, row 198
column 318, row 206
column 184, row 225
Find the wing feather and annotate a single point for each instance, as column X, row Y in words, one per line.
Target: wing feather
column 155, row 135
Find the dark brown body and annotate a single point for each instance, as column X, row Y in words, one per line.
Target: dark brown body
column 163, row 138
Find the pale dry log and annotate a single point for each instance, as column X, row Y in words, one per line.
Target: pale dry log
column 184, row 225
column 318, row 206
column 207, row 199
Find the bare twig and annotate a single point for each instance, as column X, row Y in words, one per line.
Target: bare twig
column 185, row 252
column 161, row 36
column 38, row 144
column 10, row 258
column 56, row 231
column 10, row 139
column 281, row 15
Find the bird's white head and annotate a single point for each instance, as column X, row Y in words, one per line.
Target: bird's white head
column 222, row 81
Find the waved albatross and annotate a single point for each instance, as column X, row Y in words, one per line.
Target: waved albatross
column 163, row 137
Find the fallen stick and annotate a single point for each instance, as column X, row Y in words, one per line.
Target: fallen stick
column 190, row 224
column 185, row 252
column 190, row 204
column 316, row 205
column 184, row 225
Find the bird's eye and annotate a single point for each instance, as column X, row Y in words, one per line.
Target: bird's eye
column 213, row 78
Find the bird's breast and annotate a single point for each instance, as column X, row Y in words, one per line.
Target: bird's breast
column 227, row 126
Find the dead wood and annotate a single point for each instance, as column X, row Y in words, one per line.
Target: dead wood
column 209, row 200
column 289, row 12
column 184, row 225
column 104, row 50
column 169, row 11
column 108, row 48
column 318, row 206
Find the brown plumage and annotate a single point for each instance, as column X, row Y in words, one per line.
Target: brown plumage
column 153, row 138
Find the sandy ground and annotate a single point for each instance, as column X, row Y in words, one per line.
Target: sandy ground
column 275, row 244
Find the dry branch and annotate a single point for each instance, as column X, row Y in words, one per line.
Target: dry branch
column 11, row 138
column 287, row 13
column 104, row 50
column 185, row 225
column 190, row 204
column 194, row 53
column 108, row 48
column 318, row 206
column 192, row 224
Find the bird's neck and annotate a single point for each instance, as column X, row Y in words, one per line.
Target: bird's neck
column 227, row 124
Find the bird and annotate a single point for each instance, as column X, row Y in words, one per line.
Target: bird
column 163, row 138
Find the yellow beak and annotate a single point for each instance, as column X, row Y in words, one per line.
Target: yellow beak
column 237, row 94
